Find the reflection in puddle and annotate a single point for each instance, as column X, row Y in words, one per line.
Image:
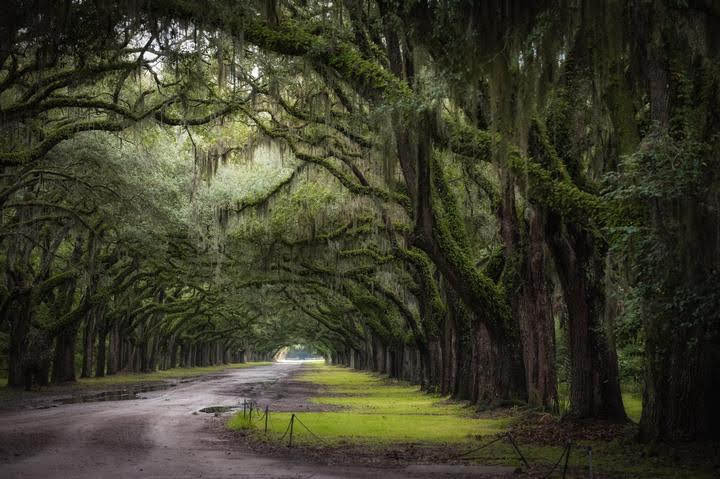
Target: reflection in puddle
column 116, row 395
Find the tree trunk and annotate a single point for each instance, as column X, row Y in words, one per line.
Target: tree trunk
column 525, row 273
column 19, row 319
column 535, row 318
column 64, row 359
column 172, row 362
column 101, row 352
column 499, row 375
column 88, row 345
column 594, row 377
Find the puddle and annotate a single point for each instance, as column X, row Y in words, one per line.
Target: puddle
column 104, row 396
column 115, row 395
column 217, row 409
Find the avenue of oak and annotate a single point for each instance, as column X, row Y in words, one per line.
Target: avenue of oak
column 159, row 437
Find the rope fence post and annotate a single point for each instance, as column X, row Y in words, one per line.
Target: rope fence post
column 267, row 411
column 292, row 424
column 297, row 418
column 567, row 458
column 590, row 468
column 517, row 449
column 244, row 407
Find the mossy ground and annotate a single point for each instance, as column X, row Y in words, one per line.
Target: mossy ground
column 633, row 405
column 378, row 413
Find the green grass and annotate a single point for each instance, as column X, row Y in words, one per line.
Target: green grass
column 243, row 422
column 129, row 378
column 370, row 394
column 631, row 395
column 633, row 405
column 383, row 428
column 377, row 411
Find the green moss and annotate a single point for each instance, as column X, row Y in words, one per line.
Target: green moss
column 470, row 142
column 451, row 217
column 487, row 298
column 429, row 289
column 560, row 195
column 291, row 38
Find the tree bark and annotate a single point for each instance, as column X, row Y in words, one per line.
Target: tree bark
column 594, row 377
column 535, row 318
column 64, row 359
column 101, row 351
column 88, row 344
column 19, row 320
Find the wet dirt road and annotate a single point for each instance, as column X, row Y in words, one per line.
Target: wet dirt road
column 158, row 437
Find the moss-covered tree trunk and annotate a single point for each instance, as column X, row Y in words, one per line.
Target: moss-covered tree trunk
column 681, row 299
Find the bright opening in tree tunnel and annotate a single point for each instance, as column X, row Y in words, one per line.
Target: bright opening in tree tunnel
column 303, row 352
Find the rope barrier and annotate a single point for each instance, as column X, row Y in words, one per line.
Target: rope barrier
column 478, row 448
column 566, row 455
column 259, row 417
column 505, row 435
column 567, row 458
column 286, row 431
column 517, row 449
column 308, row 430
column 248, row 406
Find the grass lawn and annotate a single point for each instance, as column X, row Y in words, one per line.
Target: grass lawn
column 377, row 412
column 129, row 378
column 633, row 405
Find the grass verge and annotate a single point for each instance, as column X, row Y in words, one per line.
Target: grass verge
column 377, row 411
column 378, row 417
column 124, row 379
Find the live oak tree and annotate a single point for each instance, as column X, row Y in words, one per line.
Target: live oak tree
column 427, row 189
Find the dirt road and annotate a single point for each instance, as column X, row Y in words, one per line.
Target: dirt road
column 160, row 436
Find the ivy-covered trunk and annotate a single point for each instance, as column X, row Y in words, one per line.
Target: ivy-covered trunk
column 682, row 324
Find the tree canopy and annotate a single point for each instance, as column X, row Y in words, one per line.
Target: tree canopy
column 491, row 199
